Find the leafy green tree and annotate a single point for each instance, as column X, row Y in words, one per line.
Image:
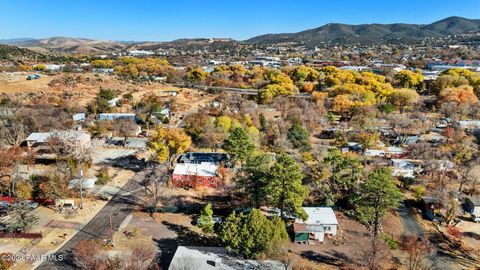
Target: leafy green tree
column 101, row 105
column 205, row 220
column 255, row 178
column 376, row 196
column 107, row 94
column 239, row 145
column 21, row 219
column 286, row 191
column 299, row 137
column 252, row 234
column 263, row 122
column 147, row 107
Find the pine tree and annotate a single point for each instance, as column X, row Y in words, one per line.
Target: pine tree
column 205, row 220
column 255, row 179
column 377, row 195
column 239, row 145
column 286, row 191
column 263, row 122
column 21, row 219
column 299, row 137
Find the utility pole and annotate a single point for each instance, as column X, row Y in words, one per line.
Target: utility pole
column 111, row 229
column 81, row 189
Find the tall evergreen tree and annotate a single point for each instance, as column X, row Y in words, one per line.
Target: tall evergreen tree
column 255, row 178
column 339, row 175
column 239, row 145
column 286, row 191
column 377, row 195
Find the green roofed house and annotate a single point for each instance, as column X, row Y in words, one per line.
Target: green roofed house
column 321, row 221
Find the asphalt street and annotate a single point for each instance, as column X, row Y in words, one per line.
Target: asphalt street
column 118, row 208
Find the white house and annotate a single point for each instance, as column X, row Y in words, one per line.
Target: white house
column 116, row 116
column 469, row 124
column 78, row 117
column 374, row 153
column 394, row 151
column 321, row 221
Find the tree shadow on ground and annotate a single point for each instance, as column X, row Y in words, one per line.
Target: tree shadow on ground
column 452, row 250
column 185, row 237
column 333, row 257
column 473, row 235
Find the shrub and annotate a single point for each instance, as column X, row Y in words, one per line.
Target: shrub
column 407, row 181
column 103, row 176
column 391, row 241
column 386, row 108
column 418, row 191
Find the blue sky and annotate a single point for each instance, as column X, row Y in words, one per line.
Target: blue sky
column 240, row 19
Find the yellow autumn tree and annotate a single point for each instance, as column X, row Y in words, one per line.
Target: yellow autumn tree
column 343, row 105
column 169, row 143
column 409, row 79
column 404, row 98
column 225, row 122
column 23, row 190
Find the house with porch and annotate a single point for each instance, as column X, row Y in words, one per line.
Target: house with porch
column 321, row 221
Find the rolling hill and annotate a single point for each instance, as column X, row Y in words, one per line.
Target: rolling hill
column 372, row 33
column 66, row 45
column 332, row 33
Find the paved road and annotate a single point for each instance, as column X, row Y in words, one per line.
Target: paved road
column 119, row 207
column 409, row 222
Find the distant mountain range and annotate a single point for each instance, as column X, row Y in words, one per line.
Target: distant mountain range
column 332, row 33
column 373, row 33
column 66, row 45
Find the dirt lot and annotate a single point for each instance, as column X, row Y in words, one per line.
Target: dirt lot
column 87, row 85
column 342, row 249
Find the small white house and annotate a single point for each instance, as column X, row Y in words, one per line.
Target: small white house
column 79, row 117
column 395, row 151
column 374, row 153
column 217, row 258
column 469, row 124
column 321, row 221
column 116, row 116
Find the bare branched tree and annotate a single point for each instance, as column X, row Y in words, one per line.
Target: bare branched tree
column 155, row 178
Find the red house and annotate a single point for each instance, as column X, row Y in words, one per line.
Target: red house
column 196, row 175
